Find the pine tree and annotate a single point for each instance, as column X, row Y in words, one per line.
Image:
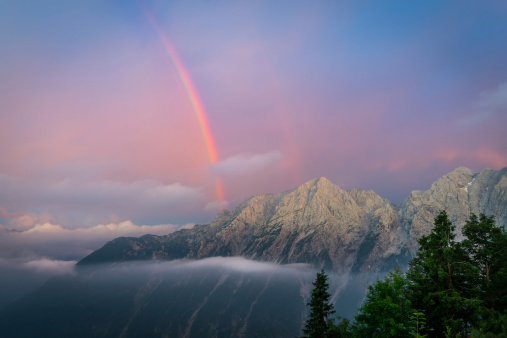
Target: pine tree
column 341, row 330
column 320, row 308
column 458, row 288
column 438, row 279
column 486, row 245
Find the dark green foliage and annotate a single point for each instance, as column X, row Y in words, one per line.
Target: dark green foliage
column 458, row 289
column 486, row 245
column 387, row 310
column 342, row 330
column 418, row 325
column 320, row 308
column 438, row 280
column 493, row 325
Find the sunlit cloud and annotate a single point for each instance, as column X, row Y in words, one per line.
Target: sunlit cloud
column 54, row 241
column 104, row 231
column 247, row 163
column 51, row 267
column 28, row 221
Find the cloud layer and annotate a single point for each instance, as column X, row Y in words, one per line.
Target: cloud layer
column 31, row 252
column 92, row 201
column 243, row 164
column 22, row 245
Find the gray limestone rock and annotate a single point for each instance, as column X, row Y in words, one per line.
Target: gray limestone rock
column 322, row 224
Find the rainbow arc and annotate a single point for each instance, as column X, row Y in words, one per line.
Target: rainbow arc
column 192, row 94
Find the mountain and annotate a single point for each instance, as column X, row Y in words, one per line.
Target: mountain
column 460, row 193
column 322, row 224
column 316, row 223
column 356, row 235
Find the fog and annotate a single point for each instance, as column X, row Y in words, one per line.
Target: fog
column 221, row 265
column 21, row 276
column 347, row 289
column 216, row 296
column 33, row 249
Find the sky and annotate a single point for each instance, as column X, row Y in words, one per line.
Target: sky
column 119, row 118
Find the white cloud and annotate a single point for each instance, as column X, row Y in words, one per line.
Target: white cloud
column 28, row 221
column 489, row 104
column 55, row 242
column 242, row 264
column 51, row 267
column 247, row 163
column 28, row 257
column 104, row 231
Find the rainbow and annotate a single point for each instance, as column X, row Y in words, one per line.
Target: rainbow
column 192, row 94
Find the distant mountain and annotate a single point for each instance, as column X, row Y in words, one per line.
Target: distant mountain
column 316, row 223
column 357, row 235
column 321, row 224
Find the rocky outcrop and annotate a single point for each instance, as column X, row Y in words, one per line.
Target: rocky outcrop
column 459, row 193
column 322, row 224
column 487, row 194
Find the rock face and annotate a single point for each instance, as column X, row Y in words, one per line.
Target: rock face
column 322, row 224
column 460, row 193
column 315, row 223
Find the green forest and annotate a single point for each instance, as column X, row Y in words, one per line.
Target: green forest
column 451, row 289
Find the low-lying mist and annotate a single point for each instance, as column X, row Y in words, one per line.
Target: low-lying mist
column 218, row 296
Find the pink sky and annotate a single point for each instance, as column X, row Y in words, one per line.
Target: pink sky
column 96, row 126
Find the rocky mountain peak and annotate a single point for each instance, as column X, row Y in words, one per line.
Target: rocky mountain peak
column 461, row 171
column 322, row 182
column 368, row 198
column 318, row 180
column 320, row 223
column 320, row 186
column 459, row 177
column 460, row 192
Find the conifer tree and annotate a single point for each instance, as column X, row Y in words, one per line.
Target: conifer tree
column 486, row 245
column 320, row 308
column 452, row 288
column 438, row 276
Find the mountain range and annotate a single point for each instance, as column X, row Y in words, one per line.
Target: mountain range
column 322, row 224
column 356, row 235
